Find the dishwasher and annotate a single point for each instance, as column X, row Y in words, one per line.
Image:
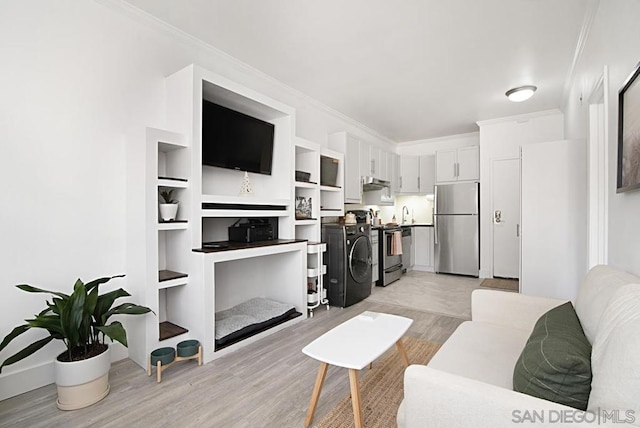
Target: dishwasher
column 406, row 248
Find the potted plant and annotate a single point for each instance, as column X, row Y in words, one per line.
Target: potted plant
column 168, row 205
column 80, row 321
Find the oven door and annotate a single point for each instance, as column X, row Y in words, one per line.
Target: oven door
column 390, row 260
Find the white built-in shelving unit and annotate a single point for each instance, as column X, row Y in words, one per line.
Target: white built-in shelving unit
column 168, row 166
column 325, row 201
column 186, row 284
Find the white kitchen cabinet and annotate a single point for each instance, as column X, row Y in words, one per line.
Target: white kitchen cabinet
column 469, row 163
column 423, row 248
column 393, row 166
column 364, row 155
column 417, row 174
column 427, row 174
column 371, row 161
column 460, row 164
column 409, row 174
column 383, row 168
column 350, row 147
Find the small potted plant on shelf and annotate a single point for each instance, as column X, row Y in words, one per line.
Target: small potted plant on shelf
column 168, row 205
column 80, row 321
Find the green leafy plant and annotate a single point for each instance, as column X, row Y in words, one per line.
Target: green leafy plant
column 79, row 320
column 166, row 195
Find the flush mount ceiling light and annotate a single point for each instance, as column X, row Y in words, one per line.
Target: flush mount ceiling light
column 520, row 93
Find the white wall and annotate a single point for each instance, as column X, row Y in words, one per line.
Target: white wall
column 613, row 41
column 80, row 81
column 501, row 139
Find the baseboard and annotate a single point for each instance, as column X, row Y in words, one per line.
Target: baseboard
column 26, row 380
column 423, row 268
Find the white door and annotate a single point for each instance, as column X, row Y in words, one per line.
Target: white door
column 505, row 178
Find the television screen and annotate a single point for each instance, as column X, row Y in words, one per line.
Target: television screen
column 234, row 140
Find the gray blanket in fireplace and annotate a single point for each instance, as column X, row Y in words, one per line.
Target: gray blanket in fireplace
column 255, row 311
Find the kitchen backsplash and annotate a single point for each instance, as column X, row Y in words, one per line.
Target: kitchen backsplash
column 420, row 209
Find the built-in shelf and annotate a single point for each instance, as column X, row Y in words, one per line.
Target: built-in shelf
column 178, row 183
column 169, row 278
column 306, row 185
column 173, row 225
column 169, row 330
column 330, row 188
column 306, row 222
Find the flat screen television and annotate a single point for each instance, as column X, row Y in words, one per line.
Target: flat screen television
column 233, row 140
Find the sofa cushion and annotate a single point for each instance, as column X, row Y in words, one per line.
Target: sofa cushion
column 594, row 295
column 615, row 359
column 482, row 351
column 555, row 364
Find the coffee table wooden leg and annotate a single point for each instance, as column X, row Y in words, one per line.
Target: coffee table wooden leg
column 403, row 353
column 322, row 372
column 355, row 397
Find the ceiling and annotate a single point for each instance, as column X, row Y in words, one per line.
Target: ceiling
column 410, row 69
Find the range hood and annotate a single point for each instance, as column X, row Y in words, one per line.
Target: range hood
column 372, row 183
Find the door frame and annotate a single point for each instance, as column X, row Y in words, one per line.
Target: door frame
column 598, row 171
column 492, row 208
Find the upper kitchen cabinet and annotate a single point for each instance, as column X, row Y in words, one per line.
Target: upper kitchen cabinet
column 393, row 166
column 350, row 147
column 373, row 162
column 409, row 174
column 460, row 164
column 417, row 174
column 427, row 174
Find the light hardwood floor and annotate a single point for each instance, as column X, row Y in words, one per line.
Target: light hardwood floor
column 266, row 384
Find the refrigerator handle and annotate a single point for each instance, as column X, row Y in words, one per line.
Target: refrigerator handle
column 435, row 229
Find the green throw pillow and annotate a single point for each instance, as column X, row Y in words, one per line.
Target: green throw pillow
column 555, row 364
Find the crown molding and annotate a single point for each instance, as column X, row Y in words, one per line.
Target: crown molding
column 150, row 21
column 519, row 117
column 475, row 134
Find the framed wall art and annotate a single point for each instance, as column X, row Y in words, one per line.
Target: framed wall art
column 629, row 134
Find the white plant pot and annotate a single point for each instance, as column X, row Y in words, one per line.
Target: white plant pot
column 82, row 383
column 168, row 212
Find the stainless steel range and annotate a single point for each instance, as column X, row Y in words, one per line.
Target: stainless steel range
column 390, row 261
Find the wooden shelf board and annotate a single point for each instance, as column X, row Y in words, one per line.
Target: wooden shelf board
column 169, row 330
column 167, row 275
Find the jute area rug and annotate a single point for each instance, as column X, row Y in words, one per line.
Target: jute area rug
column 381, row 389
column 500, row 283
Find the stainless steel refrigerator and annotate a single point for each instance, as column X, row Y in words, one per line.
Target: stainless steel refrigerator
column 457, row 228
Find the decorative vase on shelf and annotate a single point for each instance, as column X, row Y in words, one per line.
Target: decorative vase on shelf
column 168, row 212
column 246, row 188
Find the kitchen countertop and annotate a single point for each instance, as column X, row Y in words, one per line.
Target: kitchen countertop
column 417, row 225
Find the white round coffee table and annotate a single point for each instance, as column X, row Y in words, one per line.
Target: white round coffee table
column 355, row 344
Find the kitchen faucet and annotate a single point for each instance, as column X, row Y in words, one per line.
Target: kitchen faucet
column 404, row 209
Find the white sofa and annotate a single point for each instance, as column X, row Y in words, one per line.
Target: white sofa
column 469, row 382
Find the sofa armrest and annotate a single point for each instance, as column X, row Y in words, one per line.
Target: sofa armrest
column 433, row 398
column 510, row 309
